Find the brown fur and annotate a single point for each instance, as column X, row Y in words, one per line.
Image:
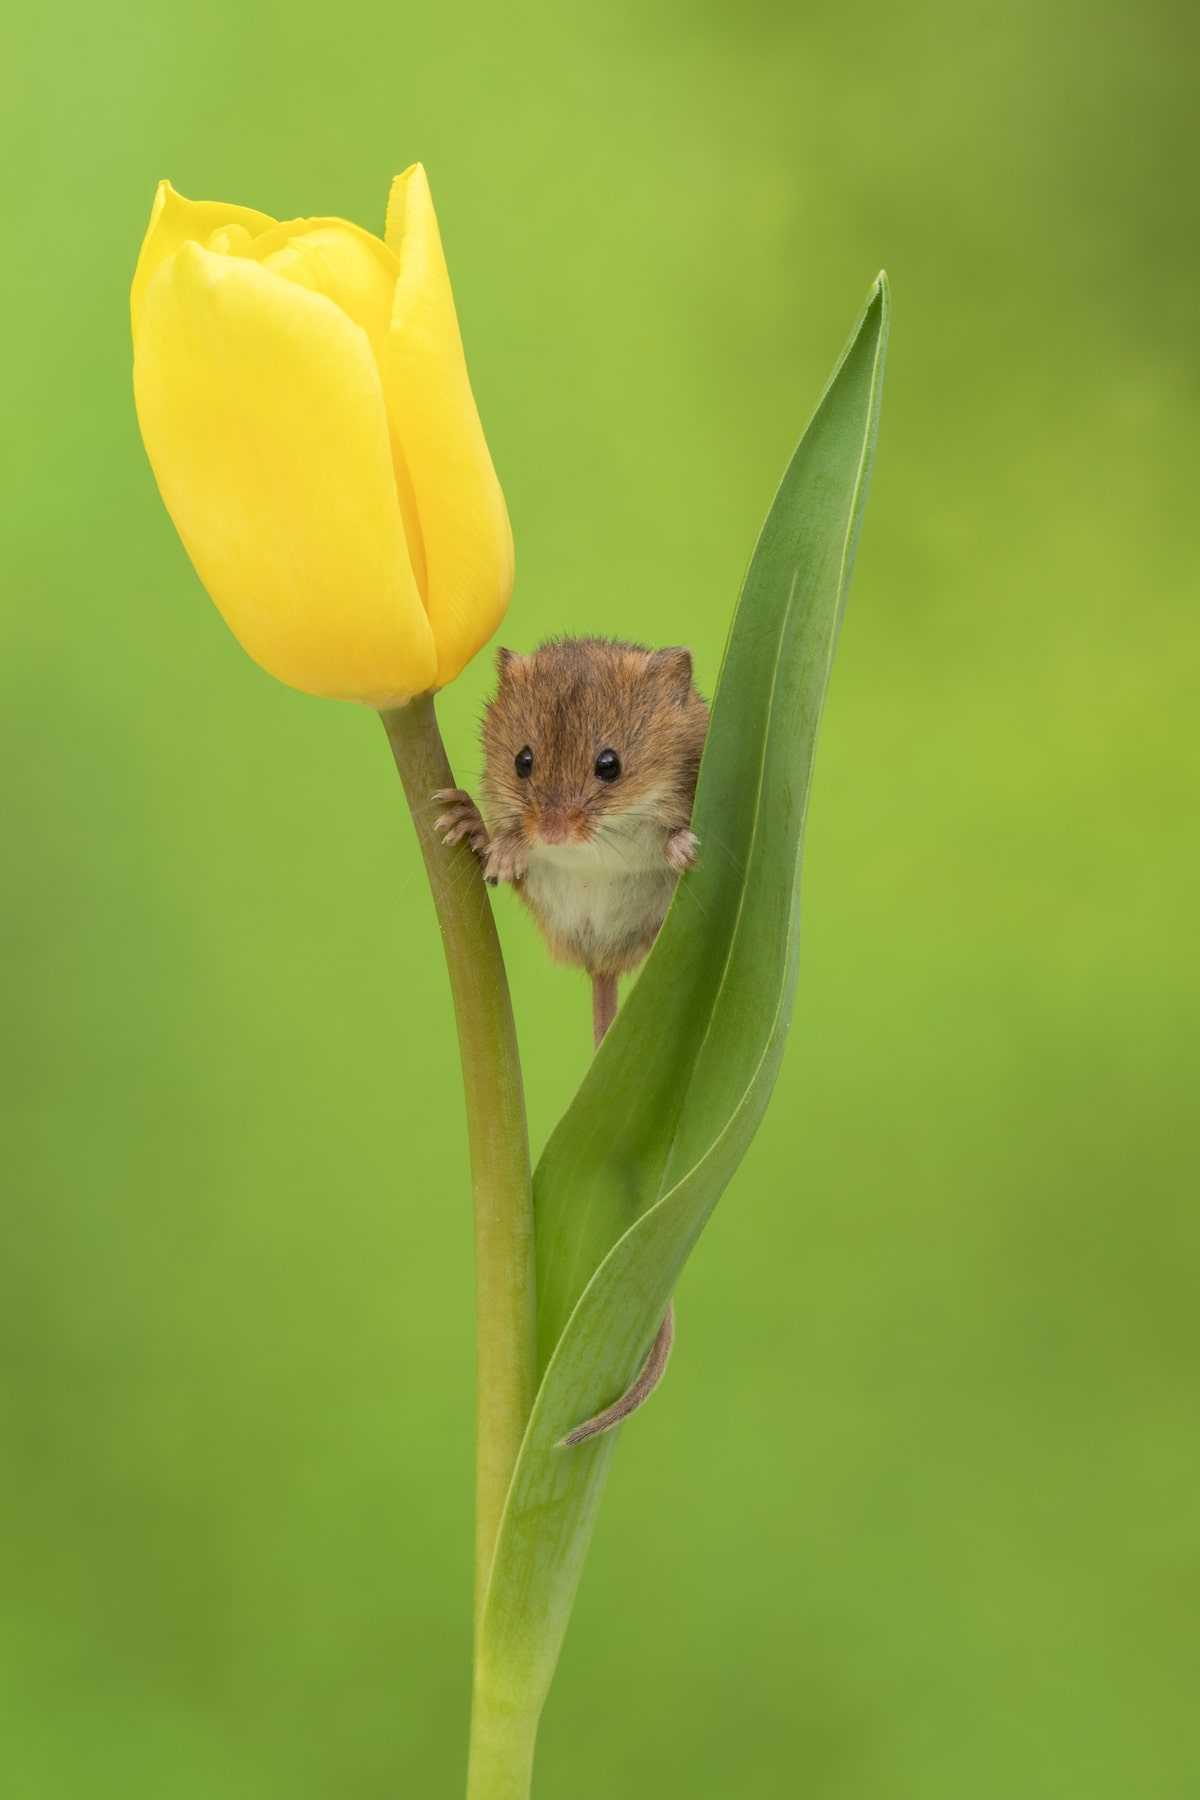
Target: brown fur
column 569, row 700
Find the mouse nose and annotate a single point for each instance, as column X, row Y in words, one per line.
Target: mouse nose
column 553, row 827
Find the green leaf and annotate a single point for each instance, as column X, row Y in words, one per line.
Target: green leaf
column 676, row 1092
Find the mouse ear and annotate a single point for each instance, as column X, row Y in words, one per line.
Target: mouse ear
column 676, row 665
column 505, row 660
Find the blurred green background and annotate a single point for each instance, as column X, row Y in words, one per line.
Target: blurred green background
column 916, row 1513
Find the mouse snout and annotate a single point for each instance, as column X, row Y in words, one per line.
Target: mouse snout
column 559, row 824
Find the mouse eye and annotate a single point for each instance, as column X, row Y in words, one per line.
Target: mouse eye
column 608, row 765
column 524, row 762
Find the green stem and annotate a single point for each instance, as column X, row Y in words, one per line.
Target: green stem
column 501, row 1765
column 496, row 1130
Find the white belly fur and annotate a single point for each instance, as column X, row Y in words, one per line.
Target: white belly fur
column 601, row 904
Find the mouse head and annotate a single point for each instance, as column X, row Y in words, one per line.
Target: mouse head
column 586, row 733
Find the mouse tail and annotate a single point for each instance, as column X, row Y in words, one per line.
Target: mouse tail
column 604, row 1011
column 604, row 1005
column 652, row 1373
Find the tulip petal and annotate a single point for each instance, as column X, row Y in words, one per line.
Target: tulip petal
column 338, row 259
column 175, row 221
column 359, row 273
column 464, row 521
column 263, row 417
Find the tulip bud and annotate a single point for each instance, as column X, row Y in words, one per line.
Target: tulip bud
column 304, row 402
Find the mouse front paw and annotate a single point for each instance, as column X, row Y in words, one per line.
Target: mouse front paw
column 681, row 850
column 462, row 819
column 505, row 860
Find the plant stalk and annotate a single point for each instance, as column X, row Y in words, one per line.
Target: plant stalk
column 499, row 1145
column 502, row 1743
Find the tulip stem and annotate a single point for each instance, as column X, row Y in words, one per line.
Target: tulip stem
column 496, row 1128
column 502, row 1741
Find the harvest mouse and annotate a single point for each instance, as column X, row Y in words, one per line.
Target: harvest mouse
column 592, row 751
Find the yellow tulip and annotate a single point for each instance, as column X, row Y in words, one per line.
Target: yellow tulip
column 304, row 401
